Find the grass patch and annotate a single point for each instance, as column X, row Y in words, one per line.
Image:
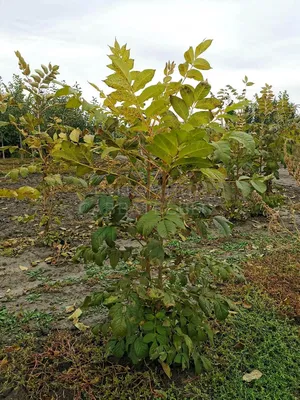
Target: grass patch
column 74, row 365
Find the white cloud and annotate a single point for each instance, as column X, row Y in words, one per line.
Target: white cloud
column 257, row 38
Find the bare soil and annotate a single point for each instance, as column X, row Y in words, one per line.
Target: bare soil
column 44, row 278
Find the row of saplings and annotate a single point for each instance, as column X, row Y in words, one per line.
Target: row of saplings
column 170, row 134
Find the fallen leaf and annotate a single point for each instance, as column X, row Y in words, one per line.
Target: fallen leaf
column 255, row 374
column 35, row 263
column 22, row 268
column 76, row 314
column 246, row 305
column 70, row 308
column 3, row 363
column 95, row 380
column 167, row 369
column 81, row 326
column 11, row 349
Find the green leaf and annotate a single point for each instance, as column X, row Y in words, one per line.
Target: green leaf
column 200, row 118
column 237, row 106
column 97, row 238
column 213, row 174
column 120, row 66
column 258, row 185
column 179, row 107
column 206, row 363
column 157, row 107
column 119, row 349
column 95, row 87
column 154, row 250
column 244, row 187
column 189, row 55
column 87, row 204
column 176, row 218
column 63, row 91
column 147, row 222
column 73, row 102
column 166, row 228
column 244, row 138
column 151, row 92
column 109, row 150
column 168, row 301
column 189, row 343
column 221, row 310
column 202, row 90
column 224, row 226
column 183, row 68
column 117, row 81
column 3, row 123
column 142, row 79
column 164, row 146
column 195, row 74
column 198, row 149
column 202, row 47
column 120, row 209
column 24, row 172
column 208, row 104
column 100, row 256
column 188, row 95
column 158, row 151
column 202, row 227
column 204, row 305
column 148, row 326
column 197, row 364
column 114, row 257
column 118, row 325
column 222, row 152
column 110, row 235
column 202, row 64
column 149, row 338
column 106, row 204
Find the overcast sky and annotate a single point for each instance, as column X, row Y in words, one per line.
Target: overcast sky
column 259, row 38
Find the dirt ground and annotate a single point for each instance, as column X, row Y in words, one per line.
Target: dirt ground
column 44, row 278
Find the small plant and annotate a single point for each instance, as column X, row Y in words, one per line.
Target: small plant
column 156, row 311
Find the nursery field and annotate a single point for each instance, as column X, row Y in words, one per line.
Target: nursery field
column 43, row 355
column 150, row 238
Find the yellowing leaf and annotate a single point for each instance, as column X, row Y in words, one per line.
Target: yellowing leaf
column 74, row 135
column 73, row 102
column 167, row 369
column 195, row 74
column 22, row 268
column 76, row 314
column 27, row 192
column 202, row 47
column 151, row 91
column 89, row 139
column 255, row 374
column 70, row 309
column 189, row 55
column 142, row 79
column 200, row 63
column 180, row 107
column 3, row 363
column 81, row 326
